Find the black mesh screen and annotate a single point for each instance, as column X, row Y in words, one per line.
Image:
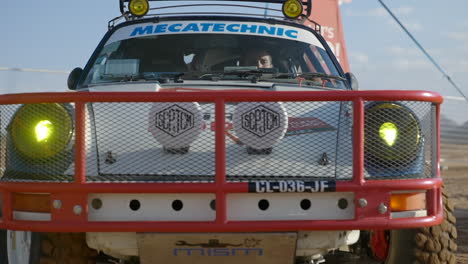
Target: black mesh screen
column 154, row 142
column 303, row 145
column 344, row 155
column 175, row 142
column 399, row 139
column 37, row 142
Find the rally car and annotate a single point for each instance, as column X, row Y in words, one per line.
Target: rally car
column 221, row 138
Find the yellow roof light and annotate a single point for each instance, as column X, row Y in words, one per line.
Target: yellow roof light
column 138, row 8
column 292, row 8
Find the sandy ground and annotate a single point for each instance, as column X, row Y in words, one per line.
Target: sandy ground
column 456, row 183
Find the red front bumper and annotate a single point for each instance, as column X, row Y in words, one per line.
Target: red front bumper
column 375, row 192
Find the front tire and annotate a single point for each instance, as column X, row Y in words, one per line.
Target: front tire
column 22, row 247
column 19, row 247
column 66, row 248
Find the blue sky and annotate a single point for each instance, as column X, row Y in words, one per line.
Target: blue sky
column 60, row 35
column 383, row 57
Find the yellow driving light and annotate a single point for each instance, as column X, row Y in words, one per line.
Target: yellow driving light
column 388, row 132
column 43, row 130
column 292, row 8
column 138, row 8
column 392, row 135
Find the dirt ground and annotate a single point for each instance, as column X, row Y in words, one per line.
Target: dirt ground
column 456, row 183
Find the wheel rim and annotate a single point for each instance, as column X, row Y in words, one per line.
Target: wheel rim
column 18, row 246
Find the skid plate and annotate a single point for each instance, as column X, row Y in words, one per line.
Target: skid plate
column 226, row 248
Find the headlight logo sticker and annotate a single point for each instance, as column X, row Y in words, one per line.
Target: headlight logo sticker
column 175, row 125
column 174, row 120
column 260, row 125
column 260, row 121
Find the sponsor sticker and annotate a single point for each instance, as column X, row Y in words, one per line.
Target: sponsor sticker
column 291, row 186
column 306, row 125
column 215, row 27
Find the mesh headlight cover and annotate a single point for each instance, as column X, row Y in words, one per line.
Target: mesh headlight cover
column 41, row 131
column 392, row 135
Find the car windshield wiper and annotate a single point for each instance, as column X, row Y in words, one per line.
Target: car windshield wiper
column 239, row 72
column 162, row 77
column 165, row 77
column 248, row 70
column 309, row 75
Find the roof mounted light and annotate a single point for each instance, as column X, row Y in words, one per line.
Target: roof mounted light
column 138, row 8
column 292, row 8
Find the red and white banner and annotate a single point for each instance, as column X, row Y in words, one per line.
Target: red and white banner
column 327, row 14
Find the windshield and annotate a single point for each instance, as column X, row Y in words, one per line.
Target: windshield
column 196, row 50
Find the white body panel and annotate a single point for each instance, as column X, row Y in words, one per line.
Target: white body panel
column 286, row 206
column 406, row 214
column 241, row 207
column 30, row 216
column 153, row 207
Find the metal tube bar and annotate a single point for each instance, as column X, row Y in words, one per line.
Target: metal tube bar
column 390, row 185
column 7, row 211
column 42, row 187
column 341, row 186
column 220, row 137
column 437, row 120
column 237, row 226
column 80, row 143
column 226, row 95
column 358, row 141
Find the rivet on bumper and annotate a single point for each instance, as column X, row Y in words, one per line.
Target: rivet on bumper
column 77, row 209
column 362, row 202
column 57, row 204
column 382, row 208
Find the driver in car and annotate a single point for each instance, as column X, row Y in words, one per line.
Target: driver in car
column 257, row 57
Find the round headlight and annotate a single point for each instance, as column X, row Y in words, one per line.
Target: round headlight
column 392, row 135
column 41, row 131
column 292, row 8
column 138, row 8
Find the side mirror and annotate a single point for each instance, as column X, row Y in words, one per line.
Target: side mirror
column 352, row 80
column 73, row 78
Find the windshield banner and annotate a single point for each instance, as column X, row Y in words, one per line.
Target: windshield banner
column 215, row 27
